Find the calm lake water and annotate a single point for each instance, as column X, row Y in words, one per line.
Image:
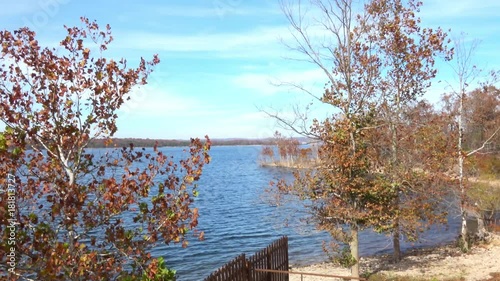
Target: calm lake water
column 236, row 219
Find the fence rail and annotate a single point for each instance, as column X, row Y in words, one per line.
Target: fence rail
column 302, row 274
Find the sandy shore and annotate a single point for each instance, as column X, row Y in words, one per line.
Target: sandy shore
column 430, row 264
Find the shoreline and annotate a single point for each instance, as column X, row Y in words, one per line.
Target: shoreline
column 440, row 262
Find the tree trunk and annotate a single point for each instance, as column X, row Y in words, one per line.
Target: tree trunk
column 354, row 245
column 396, row 235
column 463, row 231
column 481, row 228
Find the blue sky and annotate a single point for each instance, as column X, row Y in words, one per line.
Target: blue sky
column 220, row 57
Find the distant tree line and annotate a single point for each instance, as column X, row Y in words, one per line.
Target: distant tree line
column 138, row 142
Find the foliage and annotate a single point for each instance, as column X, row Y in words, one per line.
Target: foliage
column 342, row 189
column 340, row 255
column 482, row 120
column 377, row 63
column 346, row 188
column 406, row 54
column 485, row 166
column 480, row 117
column 159, row 272
column 416, row 167
column 345, row 258
column 84, row 214
column 345, row 194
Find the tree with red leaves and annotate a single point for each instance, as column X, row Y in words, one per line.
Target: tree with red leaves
column 74, row 214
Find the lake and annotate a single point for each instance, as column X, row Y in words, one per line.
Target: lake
column 237, row 219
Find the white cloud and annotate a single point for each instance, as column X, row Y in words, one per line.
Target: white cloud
column 244, row 44
column 265, row 84
column 178, row 117
column 156, row 101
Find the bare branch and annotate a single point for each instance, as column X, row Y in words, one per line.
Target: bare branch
column 297, row 125
column 484, row 143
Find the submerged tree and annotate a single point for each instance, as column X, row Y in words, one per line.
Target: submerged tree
column 81, row 215
column 291, row 155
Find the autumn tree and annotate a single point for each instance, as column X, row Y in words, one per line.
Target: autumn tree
column 339, row 188
column 481, row 148
column 407, row 55
column 421, row 185
column 377, row 63
column 78, row 214
column 457, row 104
column 482, row 120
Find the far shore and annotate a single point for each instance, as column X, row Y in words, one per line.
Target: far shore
column 141, row 142
column 288, row 165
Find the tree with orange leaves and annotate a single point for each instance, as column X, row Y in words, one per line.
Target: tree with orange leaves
column 76, row 215
column 377, row 63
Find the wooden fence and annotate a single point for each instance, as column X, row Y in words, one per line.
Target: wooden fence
column 274, row 257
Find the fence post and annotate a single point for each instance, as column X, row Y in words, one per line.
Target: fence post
column 287, row 261
column 247, row 271
column 269, row 263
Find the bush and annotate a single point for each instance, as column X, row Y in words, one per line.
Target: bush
column 157, row 271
